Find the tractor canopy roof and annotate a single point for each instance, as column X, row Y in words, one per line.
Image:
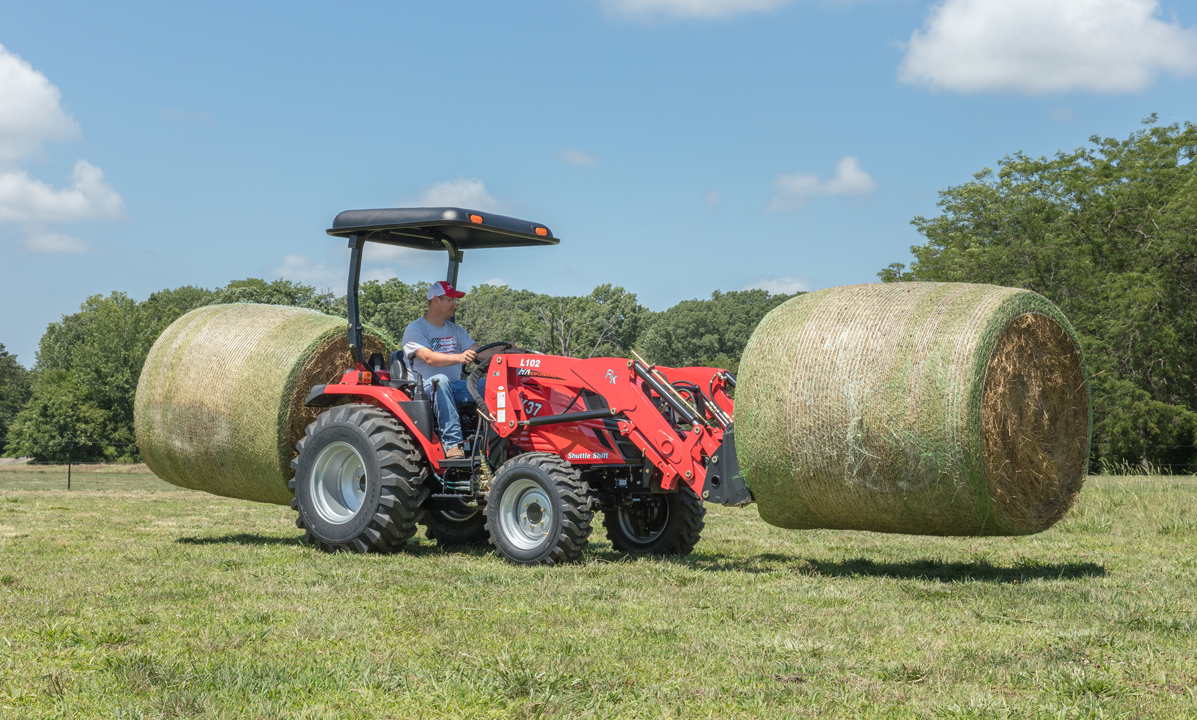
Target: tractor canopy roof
column 428, row 228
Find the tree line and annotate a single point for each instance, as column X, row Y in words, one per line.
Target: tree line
column 78, row 396
column 1109, row 233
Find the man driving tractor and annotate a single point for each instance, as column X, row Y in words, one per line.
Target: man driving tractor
column 441, row 348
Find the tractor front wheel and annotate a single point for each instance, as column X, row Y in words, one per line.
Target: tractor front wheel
column 658, row 524
column 358, row 481
column 539, row 511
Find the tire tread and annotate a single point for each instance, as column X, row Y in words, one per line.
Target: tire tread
column 401, row 478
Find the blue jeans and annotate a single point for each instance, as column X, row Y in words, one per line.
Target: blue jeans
column 444, row 405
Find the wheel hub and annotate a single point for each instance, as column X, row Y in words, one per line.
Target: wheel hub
column 338, row 483
column 526, row 514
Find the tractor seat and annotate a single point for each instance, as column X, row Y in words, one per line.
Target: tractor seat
column 400, row 378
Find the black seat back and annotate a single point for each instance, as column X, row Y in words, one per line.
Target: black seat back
column 399, row 375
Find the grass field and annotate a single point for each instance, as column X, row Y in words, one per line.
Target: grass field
column 128, row 598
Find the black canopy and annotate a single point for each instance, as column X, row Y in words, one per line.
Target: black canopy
column 426, row 228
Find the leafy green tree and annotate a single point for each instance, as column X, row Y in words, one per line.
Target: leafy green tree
column 389, row 305
column 14, row 391
column 604, row 323
column 496, row 312
column 165, row 306
column 710, row 333
column 61, row 420
column 278, row 292
column 92, row 358
column 1109, row 233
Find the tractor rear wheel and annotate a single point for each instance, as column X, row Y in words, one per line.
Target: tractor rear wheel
column 659, row 524
column 358, row 482
column 455, row 524
column 539, row 511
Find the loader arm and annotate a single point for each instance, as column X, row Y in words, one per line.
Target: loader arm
column 517, row 385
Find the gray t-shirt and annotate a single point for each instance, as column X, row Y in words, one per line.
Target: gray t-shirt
column 450, row 339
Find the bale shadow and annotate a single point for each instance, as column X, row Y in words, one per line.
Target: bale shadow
column 929, row 569
column 239, row 539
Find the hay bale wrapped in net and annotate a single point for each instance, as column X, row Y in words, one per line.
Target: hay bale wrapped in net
column 921, row 408
column 219, row 405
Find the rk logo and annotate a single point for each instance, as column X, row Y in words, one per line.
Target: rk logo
column 611, row 376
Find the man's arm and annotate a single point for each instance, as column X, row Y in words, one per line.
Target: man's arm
column 438, row 359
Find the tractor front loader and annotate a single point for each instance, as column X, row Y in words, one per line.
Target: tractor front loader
column 550, row 441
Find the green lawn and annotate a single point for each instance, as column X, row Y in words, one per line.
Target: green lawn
column 128, row 598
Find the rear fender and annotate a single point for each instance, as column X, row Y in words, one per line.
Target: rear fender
column 388, row 399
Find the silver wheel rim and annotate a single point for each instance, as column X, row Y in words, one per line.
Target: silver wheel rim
column 338, row 483
column 526, row 514
column 660, row 520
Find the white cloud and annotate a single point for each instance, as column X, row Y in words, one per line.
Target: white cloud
column 48, row 241
column 495, row 282
column 713, row 199
column 25, row 199
column 574, row 156
column 679, row 9
column 781, row 285
column 30, row 112
column 465, row 193
column 378, row 274
column 796, row 190
column 1061, row 113
column 1038, row 47
column 298, row 268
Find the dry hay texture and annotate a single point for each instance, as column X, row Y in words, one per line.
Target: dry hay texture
column 219, row 404
column 920, row 408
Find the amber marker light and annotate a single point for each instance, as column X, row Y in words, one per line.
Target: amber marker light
column 476, row 219
column 542, row 231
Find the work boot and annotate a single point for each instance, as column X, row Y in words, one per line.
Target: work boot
column 454, row 453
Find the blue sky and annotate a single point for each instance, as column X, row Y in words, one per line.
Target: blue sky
column 676, row 146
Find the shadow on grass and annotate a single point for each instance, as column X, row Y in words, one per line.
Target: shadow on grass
column 956, row 571
column 239, row 539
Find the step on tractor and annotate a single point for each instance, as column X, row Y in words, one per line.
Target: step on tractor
column 549, row 441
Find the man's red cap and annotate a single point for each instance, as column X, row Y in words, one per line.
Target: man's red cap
column 440, row 287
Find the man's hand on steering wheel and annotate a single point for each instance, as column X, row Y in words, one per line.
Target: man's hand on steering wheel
column 502, row 343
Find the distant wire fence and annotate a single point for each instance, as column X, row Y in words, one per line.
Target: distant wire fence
column 74, row 446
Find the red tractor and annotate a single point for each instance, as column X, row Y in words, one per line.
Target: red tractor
column 550, row 442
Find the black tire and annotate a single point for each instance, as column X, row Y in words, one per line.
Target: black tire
column 660, row 524
column 359, row 481
column 455, row 524
column 559, row 531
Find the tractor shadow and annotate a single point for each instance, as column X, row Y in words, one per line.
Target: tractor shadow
column 239, row 539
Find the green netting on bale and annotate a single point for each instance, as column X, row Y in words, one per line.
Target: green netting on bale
column 219, row 405
column 921, row 408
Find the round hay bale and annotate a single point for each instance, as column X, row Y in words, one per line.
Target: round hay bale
column 219, row 405
column 920, row 408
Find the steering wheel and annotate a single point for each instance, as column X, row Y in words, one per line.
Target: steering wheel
column 502, row 343
column 479, row 370
column 488, row 346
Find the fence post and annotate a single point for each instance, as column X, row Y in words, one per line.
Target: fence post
column 70, row 447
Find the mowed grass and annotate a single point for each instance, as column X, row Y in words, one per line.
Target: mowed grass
column 128, row 598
